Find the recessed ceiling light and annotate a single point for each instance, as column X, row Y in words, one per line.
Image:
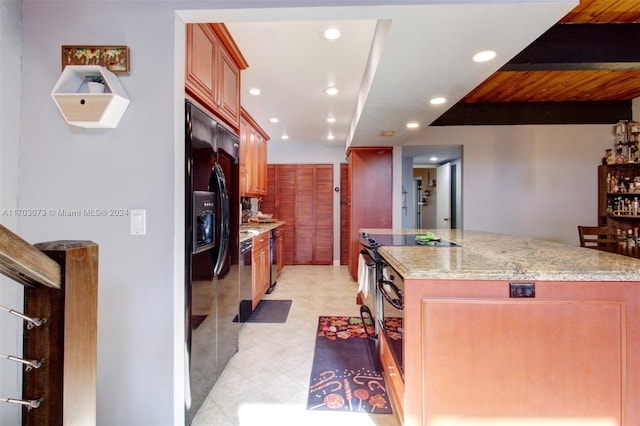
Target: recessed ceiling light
column 484, row 56
column 284, row 137
column 331, row 91
column 274, row 119
column 413, row 125
column 331, row 120
column 332, row 34
column 438, row 101
column 433, row 159
column 254, row 91
column 330, row 137
column 387, row 133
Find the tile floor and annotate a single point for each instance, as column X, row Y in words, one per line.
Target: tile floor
column 266, row 382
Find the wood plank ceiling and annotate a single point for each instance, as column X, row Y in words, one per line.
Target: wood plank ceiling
column 583, row 70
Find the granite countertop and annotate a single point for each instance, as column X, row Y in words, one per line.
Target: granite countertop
column 250, row 230
column 490, row 256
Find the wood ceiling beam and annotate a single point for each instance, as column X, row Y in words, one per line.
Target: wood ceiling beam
column 581, row 47
column 565, row 46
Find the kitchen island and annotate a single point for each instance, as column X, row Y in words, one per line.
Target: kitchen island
column 504, row 330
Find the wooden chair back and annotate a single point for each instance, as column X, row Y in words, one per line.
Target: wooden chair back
column 596, row 236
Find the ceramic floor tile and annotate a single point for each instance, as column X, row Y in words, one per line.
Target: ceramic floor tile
column 266, row 382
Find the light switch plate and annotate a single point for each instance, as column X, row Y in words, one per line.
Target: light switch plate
column 138, row 221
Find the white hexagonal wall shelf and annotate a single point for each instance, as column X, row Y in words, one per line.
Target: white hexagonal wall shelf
column 81, row 108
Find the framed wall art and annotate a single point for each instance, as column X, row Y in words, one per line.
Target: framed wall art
column 114, row 58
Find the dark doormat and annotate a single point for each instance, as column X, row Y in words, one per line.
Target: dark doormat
column 269, row 311
column 346, row 374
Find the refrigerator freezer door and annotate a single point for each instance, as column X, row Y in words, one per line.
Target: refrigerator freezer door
column 223, row 199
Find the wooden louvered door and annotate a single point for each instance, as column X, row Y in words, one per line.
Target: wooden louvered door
column 314, row 214
column 284, row 188
column 323, row 215
column 344, row 214
column 304, row 214
column 303, row 197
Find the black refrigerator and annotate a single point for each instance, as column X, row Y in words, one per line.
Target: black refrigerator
column 212, row 215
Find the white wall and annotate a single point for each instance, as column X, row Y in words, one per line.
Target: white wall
column 535, row 181
column 10, row 292
column 408, row 209
column 132, row 166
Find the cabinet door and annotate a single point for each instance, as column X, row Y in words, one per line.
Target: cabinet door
column 266, row 268
column 256, row 295
column 261, row 169
column 255, row 156
column 268, row 204
column 260, row 271
column 229, row 88
column 533, row 361
column 244, row 157
column 201, row 62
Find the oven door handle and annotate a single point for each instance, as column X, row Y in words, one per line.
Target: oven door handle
column 394, row 295
column 368, row 322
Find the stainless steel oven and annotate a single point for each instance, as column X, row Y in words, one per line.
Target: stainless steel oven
column 369, row 291
column 391, row 296
column 388, row 308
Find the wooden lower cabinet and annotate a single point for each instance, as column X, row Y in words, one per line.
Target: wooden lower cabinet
column 474, row 356
column 261, row 267
column 392, row 376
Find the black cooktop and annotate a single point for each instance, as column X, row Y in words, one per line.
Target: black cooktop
column 406, row 240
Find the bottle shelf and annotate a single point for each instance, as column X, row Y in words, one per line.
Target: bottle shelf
column 628, row 194
column 625, row 214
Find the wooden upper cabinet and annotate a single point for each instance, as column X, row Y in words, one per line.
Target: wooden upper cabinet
column 229, row 93
column 253, row 157
column 244, row 156
column 213, row 68
column 201, row 61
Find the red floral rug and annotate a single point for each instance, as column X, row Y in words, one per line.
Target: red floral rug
column 346, row 375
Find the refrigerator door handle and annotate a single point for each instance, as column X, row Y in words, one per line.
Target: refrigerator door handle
column 223, row 198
